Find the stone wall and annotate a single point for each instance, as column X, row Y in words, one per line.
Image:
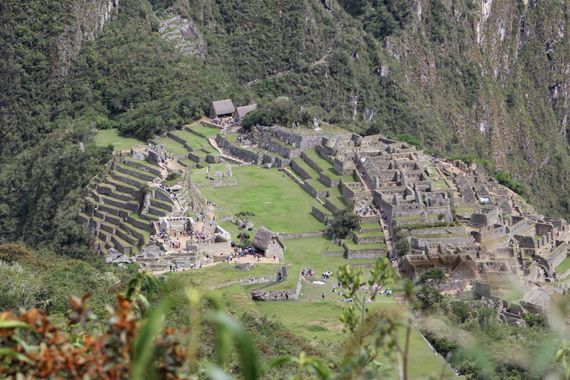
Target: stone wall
column 158, row 193
column 344, row 167
column 258, row 280
column 333, row 253
column 365, row 253
column 296, row 179
column 179, row 140
column 368, row 239
column 327, row 181
column 296, row 139
column 311, row 163
column 284, row 236
column 314, row 192
column 141, row 166
column 122, row 178
column 278, row 295
column 519, row 226
column 136, row 174
column 238, row 152
column 161, row 205
column 143, row 225
column 456, row 241
column 300, row 171
column 320, row 215
column 369, row 219
column 331, row 206
column 558, row 255
column 280, row 149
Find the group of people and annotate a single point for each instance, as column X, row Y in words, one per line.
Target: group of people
column 201, row 237
column 307, row 273
column 170, row 242
column 241, row 252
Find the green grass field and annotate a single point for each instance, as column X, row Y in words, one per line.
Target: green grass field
column 278, row 203
column 203, row 130
column 194, row 141
column 172, row 146
column 316, row 319
column 106, row 137
column 564, row 266
column 310, row 317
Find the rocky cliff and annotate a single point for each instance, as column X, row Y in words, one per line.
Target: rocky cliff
column 483, row 77
column 87, row 21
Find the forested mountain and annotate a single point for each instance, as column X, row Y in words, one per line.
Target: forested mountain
column 483, row 78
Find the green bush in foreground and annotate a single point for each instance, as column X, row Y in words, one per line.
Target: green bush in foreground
column 134, row 344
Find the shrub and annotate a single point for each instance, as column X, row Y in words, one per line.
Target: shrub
column 344, row 223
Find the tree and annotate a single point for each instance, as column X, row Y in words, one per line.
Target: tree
column 432, row 276
column 243, row 220
column 344, row 223
column 402, row 244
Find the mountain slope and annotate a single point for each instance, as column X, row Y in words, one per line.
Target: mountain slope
column 486, row 78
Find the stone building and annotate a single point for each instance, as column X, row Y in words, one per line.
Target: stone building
column 240, row 112
column 268, row 243
column 221, row 108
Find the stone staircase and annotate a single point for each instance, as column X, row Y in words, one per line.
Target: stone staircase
column 113, row 200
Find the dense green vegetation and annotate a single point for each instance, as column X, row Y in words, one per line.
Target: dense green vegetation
column 41, row 279
column 485, row 357
column 344, row 66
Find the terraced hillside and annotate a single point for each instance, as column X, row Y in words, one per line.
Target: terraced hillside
column 190, row 144
column 120, row 205
column 314, row 171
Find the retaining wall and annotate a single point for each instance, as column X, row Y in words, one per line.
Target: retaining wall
column 365, row 253
column 284, row 236
column 327, row 181
column 235, row 151
column 321, row 216
column 278, row 295
column 368, row 239
column 300, row 171
column 314, row 192
column 144, row 167
column 136, row 174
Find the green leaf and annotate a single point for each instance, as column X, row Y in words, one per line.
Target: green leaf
column 6, row 352
column 144, row 343
column 248, row 356
column 13, row 325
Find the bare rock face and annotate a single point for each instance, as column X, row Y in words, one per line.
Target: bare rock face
column 89, row 18
column 184, row 35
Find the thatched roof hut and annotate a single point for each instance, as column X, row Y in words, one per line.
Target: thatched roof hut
column 263, row 239
column 222, row 108
column 244, row 110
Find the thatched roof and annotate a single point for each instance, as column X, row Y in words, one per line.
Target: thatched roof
column 244, row 110
column 222, row 107
column 262, row 239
